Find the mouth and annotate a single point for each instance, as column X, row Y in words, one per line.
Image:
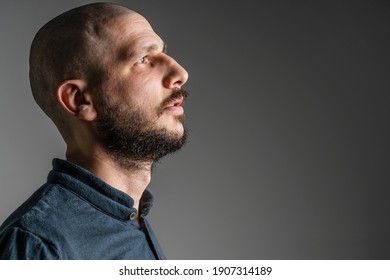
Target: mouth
column 179, row 102
column 174, row 103
column 175, row 107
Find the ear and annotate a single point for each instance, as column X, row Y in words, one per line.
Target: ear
column 74, row 98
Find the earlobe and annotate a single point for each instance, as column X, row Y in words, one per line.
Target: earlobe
column 75, row 100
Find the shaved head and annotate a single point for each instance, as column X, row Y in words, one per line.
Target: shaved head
column 70, row 47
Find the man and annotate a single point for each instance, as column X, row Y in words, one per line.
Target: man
column 103, row 77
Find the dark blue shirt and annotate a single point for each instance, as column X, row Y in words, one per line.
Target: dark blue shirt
column 75, row 215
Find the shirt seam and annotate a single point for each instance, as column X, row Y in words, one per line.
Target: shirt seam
column 42, row 240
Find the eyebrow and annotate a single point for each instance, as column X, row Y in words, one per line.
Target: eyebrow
column 124, row 55
column 154, row 47
column 149, row 48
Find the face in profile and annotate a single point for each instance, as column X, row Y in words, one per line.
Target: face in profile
column 140, row 97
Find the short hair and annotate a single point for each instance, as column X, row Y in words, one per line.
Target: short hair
column 68, row 47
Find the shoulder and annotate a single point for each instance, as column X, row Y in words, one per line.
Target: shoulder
column 21, row 244
column 32, row 230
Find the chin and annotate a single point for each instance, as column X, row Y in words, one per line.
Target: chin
column 173, row 125
column 179, row 130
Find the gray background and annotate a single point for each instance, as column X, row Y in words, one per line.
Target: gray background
column 289, row 118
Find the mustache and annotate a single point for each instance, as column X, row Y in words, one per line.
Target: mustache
column 176, row 94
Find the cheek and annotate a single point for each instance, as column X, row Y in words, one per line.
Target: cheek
column 149, row 106
column 148, row 95
column 141, row 91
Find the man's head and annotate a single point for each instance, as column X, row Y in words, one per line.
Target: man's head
column 101, row 70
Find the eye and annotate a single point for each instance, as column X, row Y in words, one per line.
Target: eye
column 142, row 60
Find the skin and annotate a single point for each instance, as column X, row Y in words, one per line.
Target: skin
column 138, row 73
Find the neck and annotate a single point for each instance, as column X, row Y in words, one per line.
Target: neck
column 132, row 178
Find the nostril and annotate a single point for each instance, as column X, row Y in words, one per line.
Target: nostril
column 182, row 76
column 176, row 77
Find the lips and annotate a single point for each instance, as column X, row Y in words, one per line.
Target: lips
column 176, row 103
column 175, row 107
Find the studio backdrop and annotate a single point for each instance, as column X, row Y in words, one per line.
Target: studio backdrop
column 288, row 154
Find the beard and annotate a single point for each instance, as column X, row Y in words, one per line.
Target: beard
column 131, row 139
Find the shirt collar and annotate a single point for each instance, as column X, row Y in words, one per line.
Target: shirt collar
column 104, row 197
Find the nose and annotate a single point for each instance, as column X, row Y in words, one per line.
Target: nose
column 176, row 76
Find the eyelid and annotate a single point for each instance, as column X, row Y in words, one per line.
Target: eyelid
column 144, row 58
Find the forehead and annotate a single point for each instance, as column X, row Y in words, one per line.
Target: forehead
column 130, row 23
column 132, row 31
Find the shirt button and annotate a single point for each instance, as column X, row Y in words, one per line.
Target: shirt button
column 132, row 215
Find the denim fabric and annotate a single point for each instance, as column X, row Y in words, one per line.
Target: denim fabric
column 75, row 215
